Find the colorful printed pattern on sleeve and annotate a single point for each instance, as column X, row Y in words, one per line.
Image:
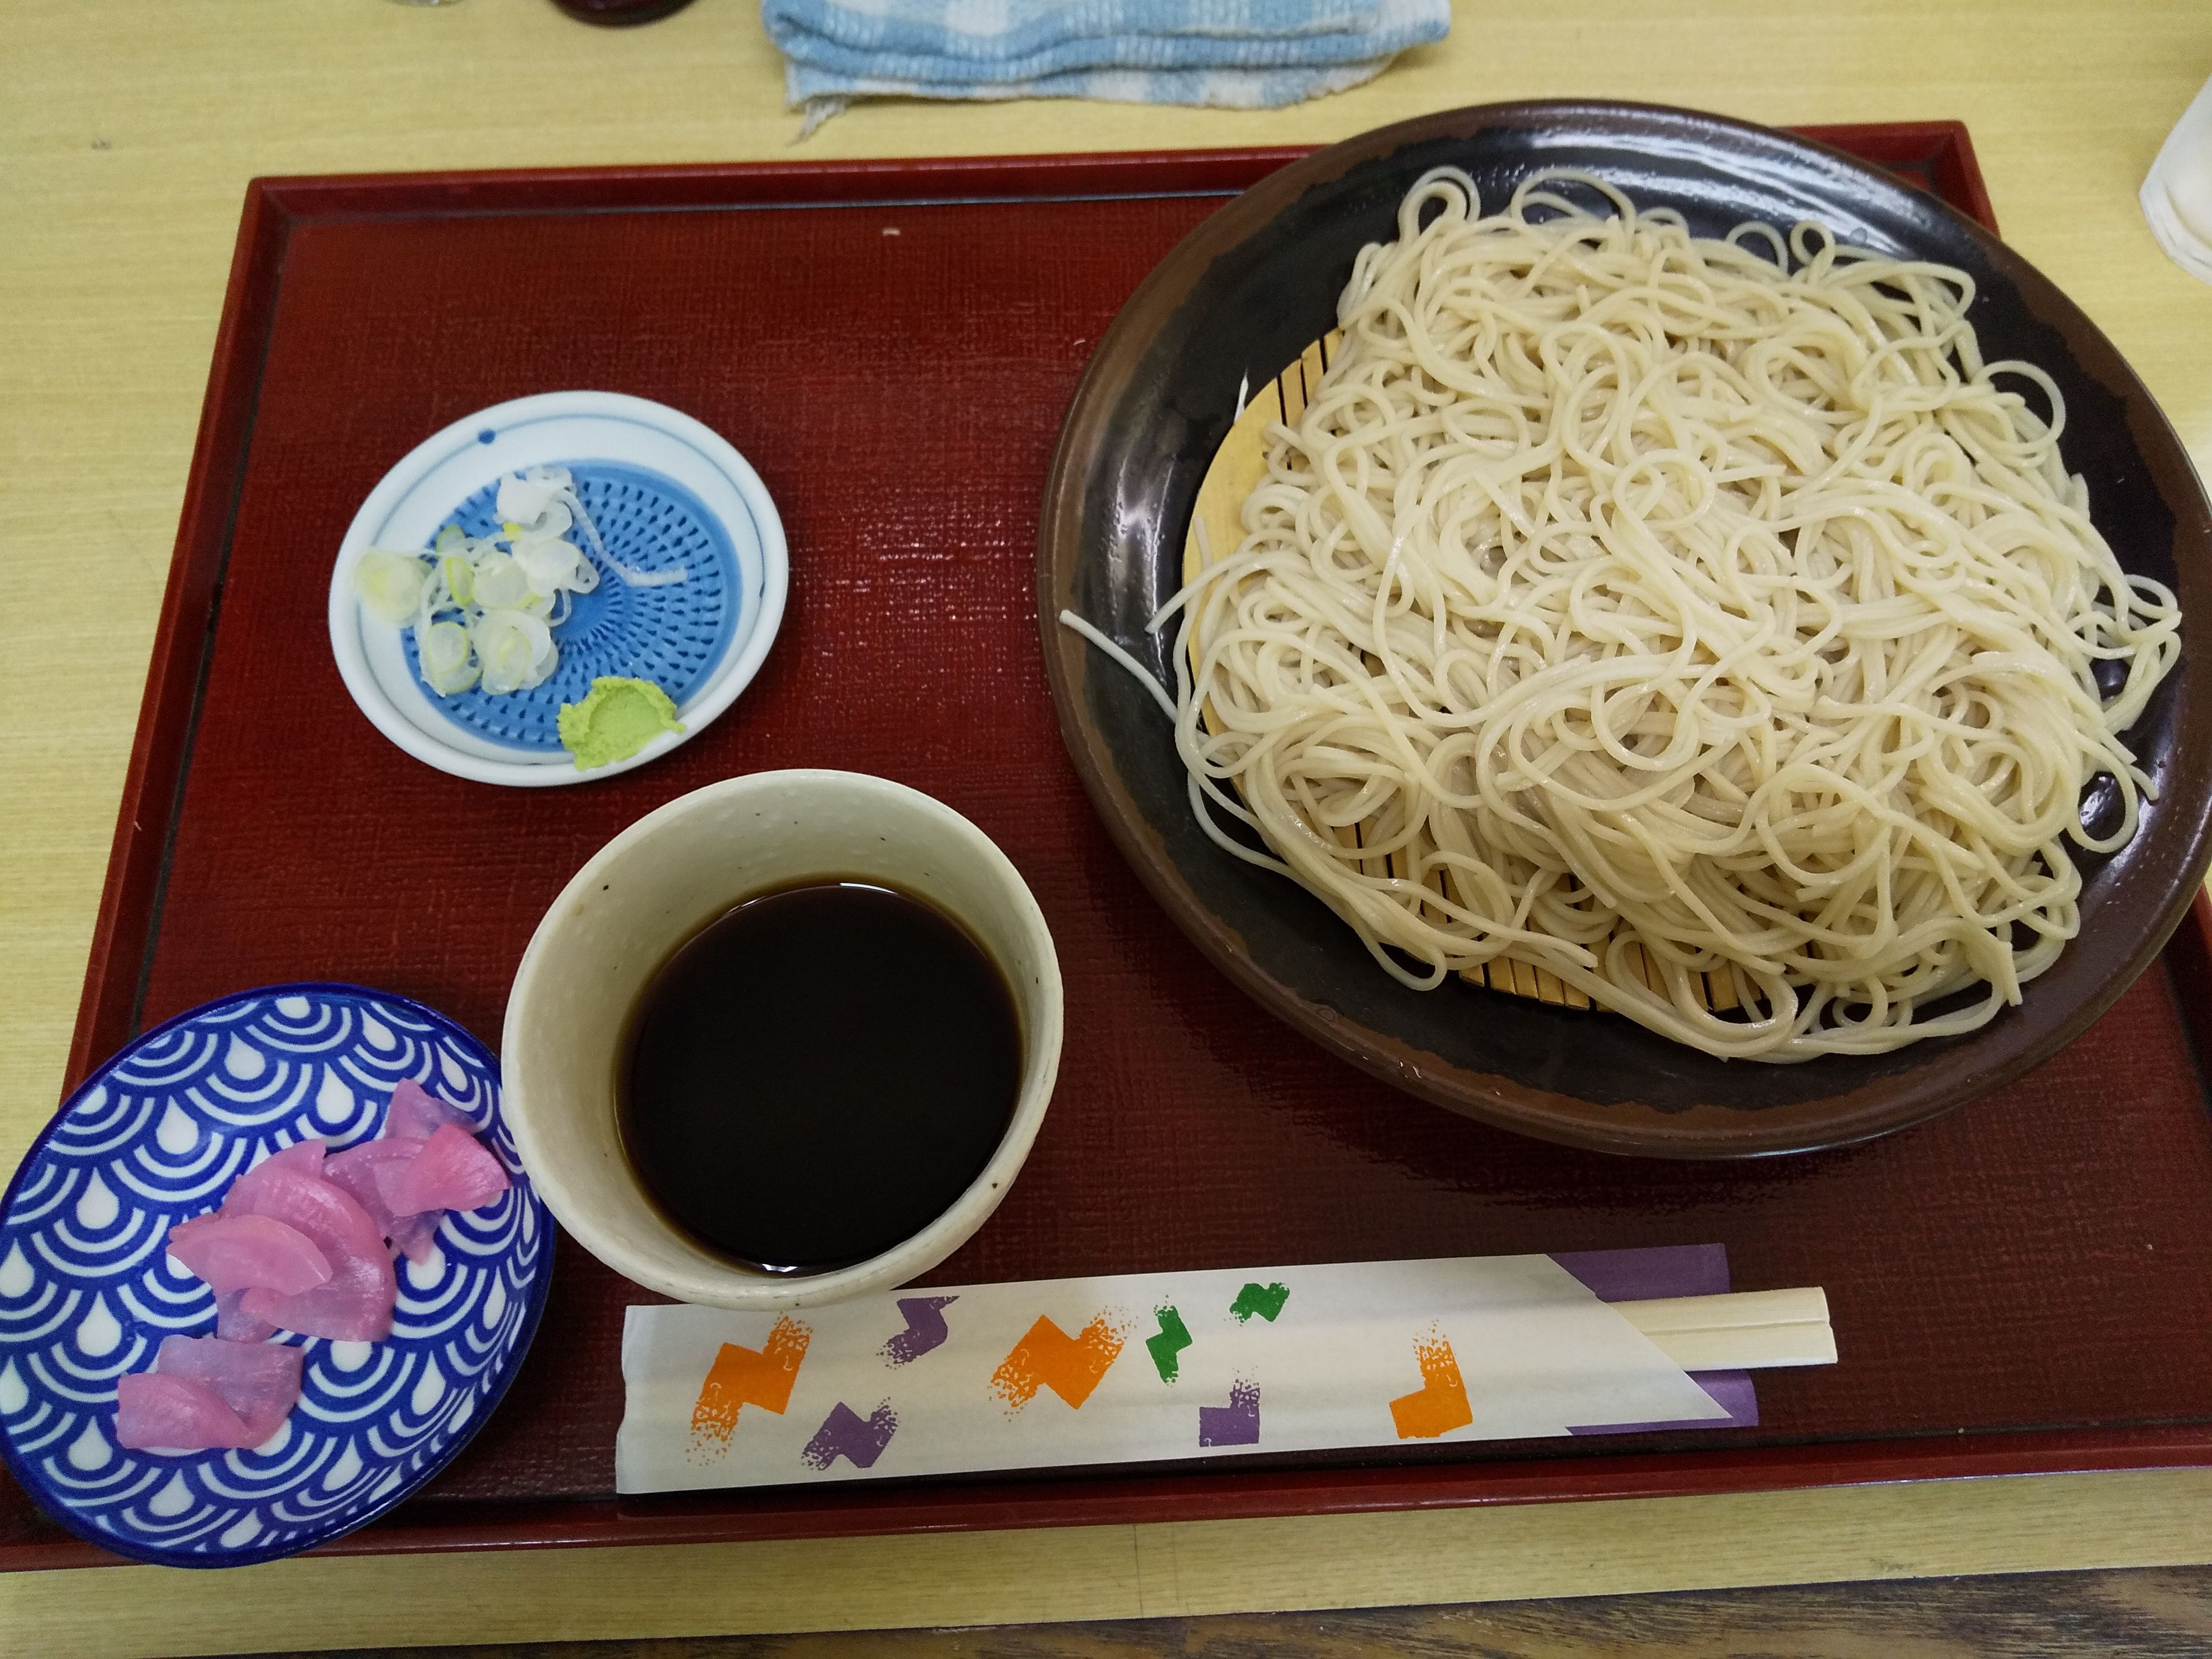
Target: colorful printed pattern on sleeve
column 1136, row 1368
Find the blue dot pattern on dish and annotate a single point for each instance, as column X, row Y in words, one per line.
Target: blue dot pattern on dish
column 88, row 1290
column 673, row 635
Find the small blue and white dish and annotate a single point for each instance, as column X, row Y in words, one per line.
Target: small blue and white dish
column 88, row 1291
column 664, row 490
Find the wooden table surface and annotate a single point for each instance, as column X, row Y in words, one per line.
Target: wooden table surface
column 127, row 133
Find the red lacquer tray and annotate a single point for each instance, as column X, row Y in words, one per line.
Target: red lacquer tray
column 2022, row 1285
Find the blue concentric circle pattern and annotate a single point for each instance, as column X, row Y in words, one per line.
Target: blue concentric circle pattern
column 88, row 1290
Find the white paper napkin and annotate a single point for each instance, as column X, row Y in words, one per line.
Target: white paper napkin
column 2176, row 196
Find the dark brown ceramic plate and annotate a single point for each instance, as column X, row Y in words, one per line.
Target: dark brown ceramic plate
column 1240, row 298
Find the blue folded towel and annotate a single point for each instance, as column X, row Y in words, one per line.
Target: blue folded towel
column 1234, row 54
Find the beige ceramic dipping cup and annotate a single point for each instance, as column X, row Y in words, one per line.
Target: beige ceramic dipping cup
column 656, row 884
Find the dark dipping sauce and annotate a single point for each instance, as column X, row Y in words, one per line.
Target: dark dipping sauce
column 818, row 1075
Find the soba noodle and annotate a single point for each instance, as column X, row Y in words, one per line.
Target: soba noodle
column 1634, row 589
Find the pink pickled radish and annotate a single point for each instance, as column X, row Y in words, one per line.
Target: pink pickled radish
column 370, row 1172
column 301, row 1158
column 416, row 1236
column 241, row 1252
column 303, row 1241
column 354, row 1305
column 367, row 1172
column 351, row 1307
column 452, row 1172
column 234, row 1324
column 415, row 1114
column 259, row 1381
column 167, row 1413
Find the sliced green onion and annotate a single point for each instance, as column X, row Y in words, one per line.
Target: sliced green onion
column 509, row 588
column 443, row 649
column 501, row 584
column 460, row 578
column 516, row 649
column 390, row 584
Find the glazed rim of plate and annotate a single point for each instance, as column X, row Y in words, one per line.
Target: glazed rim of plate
column 427, row 484
column 1142, row 429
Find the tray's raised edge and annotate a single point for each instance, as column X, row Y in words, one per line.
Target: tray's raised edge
column 779, row 184
column 852, row 1510
column 138, row 859
column 1943, row 147
column 1227, row 1494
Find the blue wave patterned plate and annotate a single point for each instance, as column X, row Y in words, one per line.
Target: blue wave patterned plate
column 88, row 1291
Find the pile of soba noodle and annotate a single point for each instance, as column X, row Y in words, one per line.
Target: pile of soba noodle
column 1713, row 597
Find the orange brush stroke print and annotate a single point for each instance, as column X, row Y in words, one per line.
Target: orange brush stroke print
column 744, row 1377
column 1441, row 1405
column 1048, row 1357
